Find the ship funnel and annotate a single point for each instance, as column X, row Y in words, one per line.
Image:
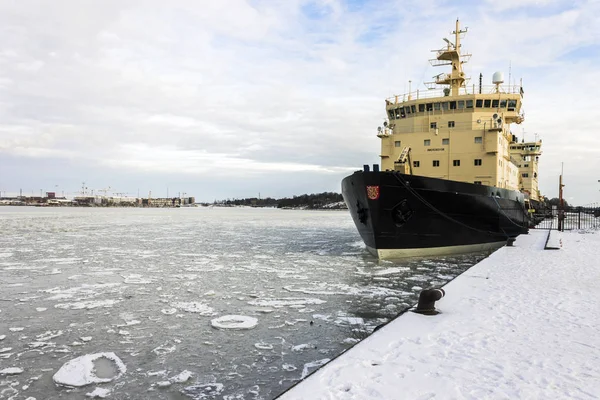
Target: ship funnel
column 498, row 78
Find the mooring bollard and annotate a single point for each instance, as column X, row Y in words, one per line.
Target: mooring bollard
column 510, row 241
column 427, row 300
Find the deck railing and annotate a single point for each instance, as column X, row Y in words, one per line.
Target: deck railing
column 433, row 93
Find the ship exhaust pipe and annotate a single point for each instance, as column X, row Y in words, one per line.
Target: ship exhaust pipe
column 427, row 300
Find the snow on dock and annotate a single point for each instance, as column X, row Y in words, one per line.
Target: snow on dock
column 522, row 323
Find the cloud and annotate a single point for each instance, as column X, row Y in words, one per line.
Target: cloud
column 260, row 87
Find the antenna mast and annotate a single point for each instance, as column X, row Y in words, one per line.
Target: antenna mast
column 451, row 55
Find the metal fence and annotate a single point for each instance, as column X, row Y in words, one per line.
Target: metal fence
column 567, row 218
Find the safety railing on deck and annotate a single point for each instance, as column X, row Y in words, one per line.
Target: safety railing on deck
column 432, row 93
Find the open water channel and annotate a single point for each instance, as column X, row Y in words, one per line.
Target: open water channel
column 145, row 284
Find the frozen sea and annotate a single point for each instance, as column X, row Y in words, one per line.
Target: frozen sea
column 163, row 290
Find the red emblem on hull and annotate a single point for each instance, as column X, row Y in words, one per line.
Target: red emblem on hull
column 373, row 192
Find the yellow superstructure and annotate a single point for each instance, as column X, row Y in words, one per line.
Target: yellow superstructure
column 458, row 132
column 527, row 155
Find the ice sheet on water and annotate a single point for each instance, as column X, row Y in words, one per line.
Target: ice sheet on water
column 11, row 371
column 282, row 302
column 90, row 368
column 327, row 288
column 263, row 346
column 99, row 393
column 203, row 391
column 390, row 271
column 194, row 307
column 184, row 376
column 87, row 304
column 234, row 322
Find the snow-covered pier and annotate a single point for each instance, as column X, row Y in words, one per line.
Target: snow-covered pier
column 521, row 324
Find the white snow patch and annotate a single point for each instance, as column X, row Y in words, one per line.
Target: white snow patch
column 234, row 322
column 16, row 329
column 40, row 309
column 84, row 370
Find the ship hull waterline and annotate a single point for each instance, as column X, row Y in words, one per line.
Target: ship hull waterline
column 399, row 215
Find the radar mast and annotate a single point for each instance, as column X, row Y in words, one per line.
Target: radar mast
column 451, row 55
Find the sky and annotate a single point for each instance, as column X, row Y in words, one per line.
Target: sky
column 241, row 98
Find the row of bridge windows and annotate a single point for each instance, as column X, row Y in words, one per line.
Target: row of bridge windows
column 403, row 112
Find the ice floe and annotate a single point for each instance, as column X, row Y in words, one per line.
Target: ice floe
column 88, row 304
column 282, row 302
column 234, row 322
column 263, row 346
column 204, row 390
column 11, row 371
column 184, row 376
column 194, row 307
column 99, row 393
column 90, row 368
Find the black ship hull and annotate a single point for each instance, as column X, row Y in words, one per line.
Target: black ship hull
column 399, row 215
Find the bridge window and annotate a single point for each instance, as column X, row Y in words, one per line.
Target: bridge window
column 487, row 103
column 478, row 139
column 413, row 109
column 392, row 114
column 495, row 103
column 407, row 109
column 461, row 104
column 453, row 105
column 445, row 106
column 502, row 103
column 512, row 104
column 450, row 124
column 479, row 103
column 421, row 107
column 436, row 163
column 397, row 143
column 433, row 125
column 526, row 165
column 469, row 103
column 429, row 106
column 436, row 106
column 445, row 141
column 426, row 142
column 478, row 161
